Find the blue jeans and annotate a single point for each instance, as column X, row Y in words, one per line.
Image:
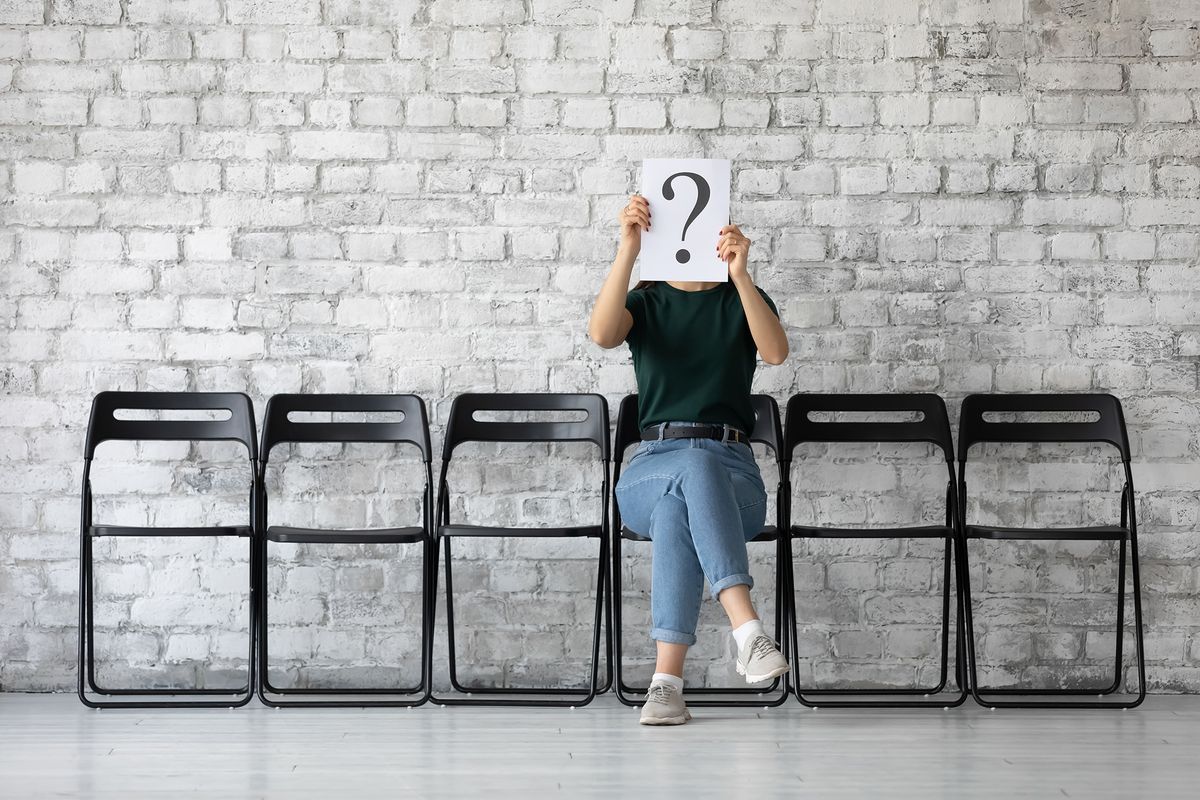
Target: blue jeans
column 699, row 501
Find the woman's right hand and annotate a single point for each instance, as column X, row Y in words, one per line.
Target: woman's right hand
column 634, row 217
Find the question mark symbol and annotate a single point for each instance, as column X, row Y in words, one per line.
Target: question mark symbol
column 702, row 195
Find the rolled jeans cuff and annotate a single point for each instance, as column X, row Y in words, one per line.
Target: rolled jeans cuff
column 674, row 637
column 731, row 580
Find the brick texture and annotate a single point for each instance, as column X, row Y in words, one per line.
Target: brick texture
column 944, row 195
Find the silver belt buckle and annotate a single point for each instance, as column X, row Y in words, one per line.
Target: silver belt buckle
column 661, row 427
column 725, row 433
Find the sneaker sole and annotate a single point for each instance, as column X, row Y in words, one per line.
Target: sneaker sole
column 760, row 678
column 667, row 720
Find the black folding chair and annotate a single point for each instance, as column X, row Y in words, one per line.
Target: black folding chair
column 103, row 426
column 932, row 427
column 412, row 428
column 975, row 427
column 464, row 427
column 767, row 431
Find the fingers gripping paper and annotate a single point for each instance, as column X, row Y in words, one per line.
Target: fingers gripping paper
column 689, row 204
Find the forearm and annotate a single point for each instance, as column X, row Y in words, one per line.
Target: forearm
column 769, row 336
column 605, row 324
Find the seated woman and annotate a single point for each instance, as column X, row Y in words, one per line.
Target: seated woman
column 693, row 486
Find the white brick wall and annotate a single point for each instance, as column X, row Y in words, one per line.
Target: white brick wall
column 944, row 195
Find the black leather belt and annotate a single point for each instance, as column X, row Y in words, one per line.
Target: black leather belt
column 712, row 431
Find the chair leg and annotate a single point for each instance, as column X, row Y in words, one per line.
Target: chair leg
column 87, row 683
column 83, row 662
column 421, row 690
column 252, row 660
column 264, row 680
column 950, row 577
column 961, row 635
column 608, row 636
column 451, row 638
column 1138, row 637
column 985, row 696
column 615, row 602
column 533, row 696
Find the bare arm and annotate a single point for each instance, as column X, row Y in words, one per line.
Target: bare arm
column 769, row 335
column 611, row 321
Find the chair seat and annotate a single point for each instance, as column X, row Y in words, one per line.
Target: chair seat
column 488, row 530
column 914, row 532
column 134, row 530
column 283, row 533
column 767, row 534
column 1085, row 533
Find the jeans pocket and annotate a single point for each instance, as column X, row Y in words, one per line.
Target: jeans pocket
column 748, row 488
column 646, row 447
column 752, row 502
column 744, row 453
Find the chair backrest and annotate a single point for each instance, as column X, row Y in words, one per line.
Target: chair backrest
column 463, row 427
column 103, row 425
column 412, row 428
column 767, row 429
column 933, row 426
column 1108, row 427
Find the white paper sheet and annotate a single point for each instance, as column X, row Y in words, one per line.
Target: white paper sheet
column 670, row 186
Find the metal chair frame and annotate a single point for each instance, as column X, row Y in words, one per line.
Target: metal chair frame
column 103, row 425
column 462, row 427
column 412, row 429
column 933, row 428
column 1108, row 429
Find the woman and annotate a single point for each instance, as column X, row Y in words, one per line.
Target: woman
column 693, row 486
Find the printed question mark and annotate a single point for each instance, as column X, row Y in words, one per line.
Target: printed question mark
column 702, row 195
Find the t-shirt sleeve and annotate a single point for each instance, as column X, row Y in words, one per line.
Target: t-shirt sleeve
column 635, row 302
column 770, row 302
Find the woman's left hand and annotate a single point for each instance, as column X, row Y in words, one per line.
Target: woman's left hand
column 733, row 248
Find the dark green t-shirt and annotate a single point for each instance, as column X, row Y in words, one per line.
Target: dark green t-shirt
column 693, row 354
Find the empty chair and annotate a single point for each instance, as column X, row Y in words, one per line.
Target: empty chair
column 767, row 431
column 1108, row 427
column 413, row 429
column 463, row 427
column 933, row 427
column 103, row 426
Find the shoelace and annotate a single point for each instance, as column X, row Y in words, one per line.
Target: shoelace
column 762, row 646
column 661, row 692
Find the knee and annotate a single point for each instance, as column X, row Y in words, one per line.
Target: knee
column 754, row 518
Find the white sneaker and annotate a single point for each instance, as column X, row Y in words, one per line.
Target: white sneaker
column 664, row 705
column 760, row 659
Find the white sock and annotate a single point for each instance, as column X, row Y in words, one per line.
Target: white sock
column 667, row 677
column 743, row 633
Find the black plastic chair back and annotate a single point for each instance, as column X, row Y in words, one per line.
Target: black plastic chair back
column 412, row 429
column 974, row 429
column 463, row 427
column 104, row 425
column 933, row 426
column 767, row 430
column 767, row 427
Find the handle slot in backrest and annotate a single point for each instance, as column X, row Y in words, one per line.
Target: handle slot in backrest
column 385, row 418
column 1023, row 418
column 173, row 414
column 463, row 425
column 861, row 418
column 141, row 415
